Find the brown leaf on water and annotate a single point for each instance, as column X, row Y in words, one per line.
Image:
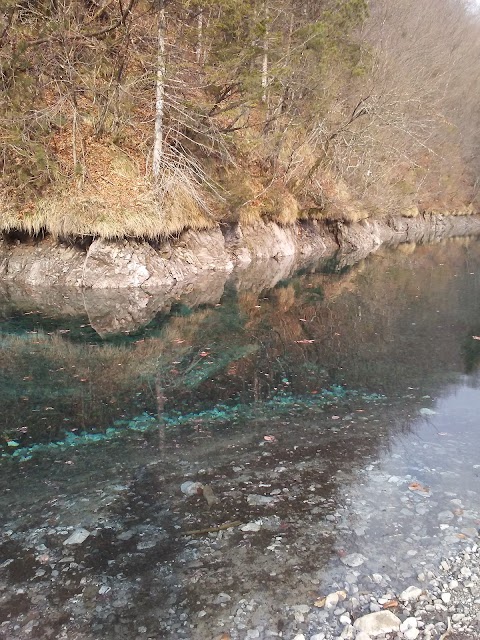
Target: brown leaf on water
column 416, row 486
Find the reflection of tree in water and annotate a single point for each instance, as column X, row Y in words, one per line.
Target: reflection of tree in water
column 389, row 323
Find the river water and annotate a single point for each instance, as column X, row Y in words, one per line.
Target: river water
column 331, row 422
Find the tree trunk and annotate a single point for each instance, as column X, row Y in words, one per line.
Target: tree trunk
column 199, row 51
column 160, row 93
column 265, row 56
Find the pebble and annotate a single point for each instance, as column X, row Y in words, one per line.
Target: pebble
column 457, row 617
column 378, row 623
column 411, row 594
column 353, row 559
column 409, row 623
column 331, row 600
column 257, row 500
column 77, row 537
column 190, row 488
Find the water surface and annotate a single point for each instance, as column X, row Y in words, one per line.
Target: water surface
column 347, row 395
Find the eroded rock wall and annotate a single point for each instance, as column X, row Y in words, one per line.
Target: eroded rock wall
column 110, row 264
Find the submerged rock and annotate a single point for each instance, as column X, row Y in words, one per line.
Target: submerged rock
column 190, row 488
column 256, row 500
column 77, row 537
column 378, row 623
column 353, row 560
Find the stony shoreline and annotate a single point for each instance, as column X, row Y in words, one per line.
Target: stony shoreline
column 447, row 604
column 115, row 264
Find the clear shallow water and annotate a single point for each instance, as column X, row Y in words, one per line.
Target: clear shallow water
column 347, row 395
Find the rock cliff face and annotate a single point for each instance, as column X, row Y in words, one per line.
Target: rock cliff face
column 134, row 264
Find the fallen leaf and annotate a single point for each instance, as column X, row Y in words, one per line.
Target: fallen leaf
column 270, row 438
column 391, row 604
column 320, row 602
column 416, row 486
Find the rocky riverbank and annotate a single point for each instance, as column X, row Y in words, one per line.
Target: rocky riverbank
column 104, row 264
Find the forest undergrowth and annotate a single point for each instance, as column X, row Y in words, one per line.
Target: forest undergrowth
column 142, row 119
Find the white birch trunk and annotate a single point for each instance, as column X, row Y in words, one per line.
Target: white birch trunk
column 265, row 58
column 160, row 94
column 199, row 52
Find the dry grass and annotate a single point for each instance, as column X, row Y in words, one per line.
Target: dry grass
column 114, row 200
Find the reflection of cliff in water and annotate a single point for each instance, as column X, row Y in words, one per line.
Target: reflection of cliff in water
column 399, row 319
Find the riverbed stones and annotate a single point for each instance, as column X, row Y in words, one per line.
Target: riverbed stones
column 378, row 623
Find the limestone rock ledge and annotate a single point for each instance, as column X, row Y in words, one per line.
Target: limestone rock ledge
column 114, row 264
